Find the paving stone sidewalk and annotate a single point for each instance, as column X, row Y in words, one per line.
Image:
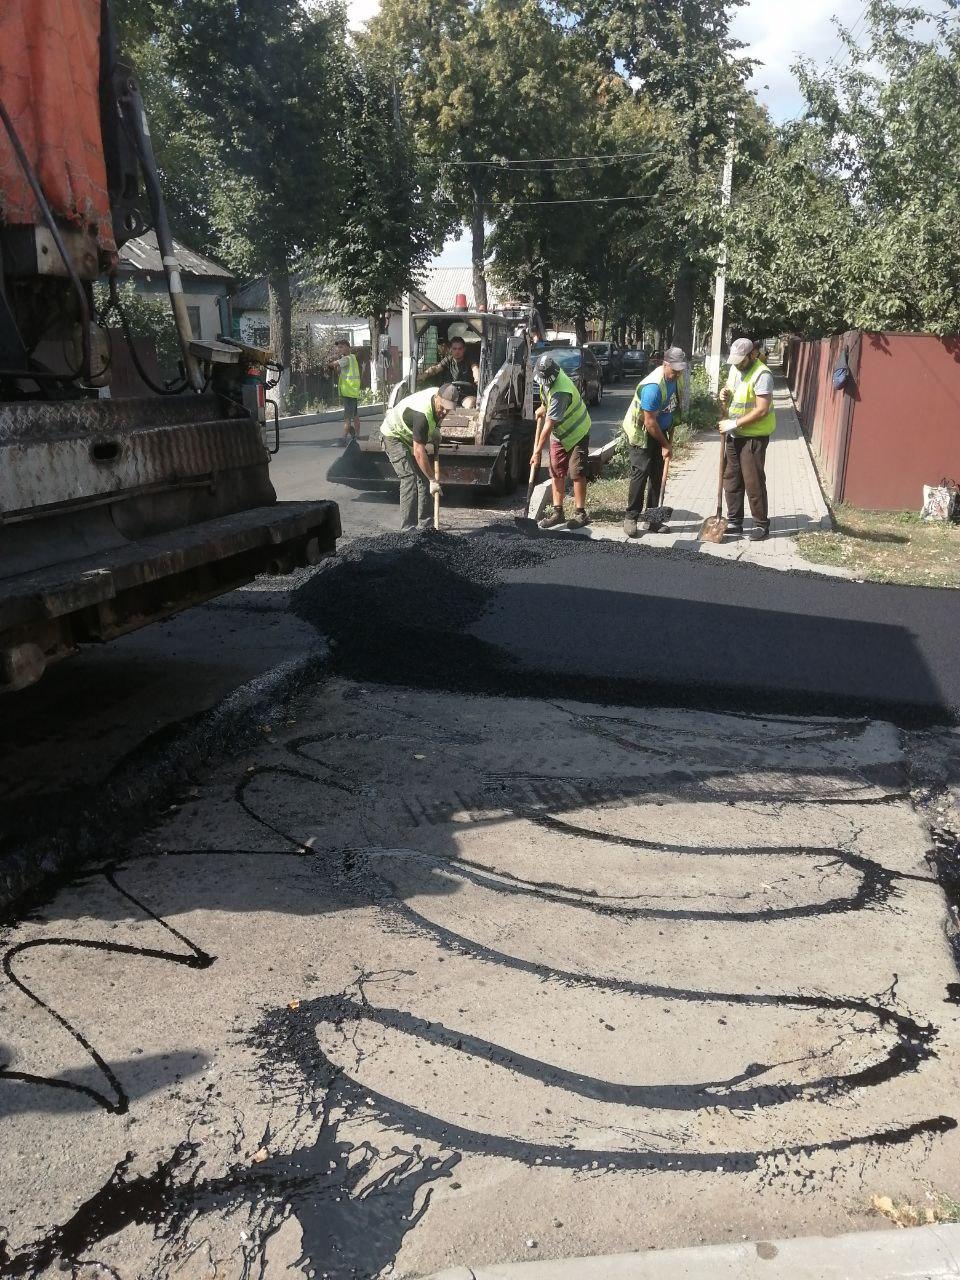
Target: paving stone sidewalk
column 796, row 501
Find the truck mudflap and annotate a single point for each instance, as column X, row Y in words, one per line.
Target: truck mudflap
column 47, row 613
column 465, row 469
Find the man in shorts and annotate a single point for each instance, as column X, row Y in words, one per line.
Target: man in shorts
column 347, row 368
column 562, row 419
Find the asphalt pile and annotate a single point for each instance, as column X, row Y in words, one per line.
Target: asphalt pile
column 396, row 609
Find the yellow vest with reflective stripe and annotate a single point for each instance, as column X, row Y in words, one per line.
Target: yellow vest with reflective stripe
column 745, row 399
column 575, row 423
column 633, row 427
column 394, row 427
column 349, row 383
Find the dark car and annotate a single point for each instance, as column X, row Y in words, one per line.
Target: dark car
column 634, row 363
column 610, row 359
column 583, row 369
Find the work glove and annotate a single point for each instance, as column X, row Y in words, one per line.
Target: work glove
column 727, row 425
column 435, row 490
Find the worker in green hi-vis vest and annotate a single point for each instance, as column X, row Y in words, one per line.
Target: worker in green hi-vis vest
column 751, row 421
column 347, row 368
column 562, row 419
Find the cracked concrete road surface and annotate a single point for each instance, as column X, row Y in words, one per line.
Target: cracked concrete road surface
column 425, row 979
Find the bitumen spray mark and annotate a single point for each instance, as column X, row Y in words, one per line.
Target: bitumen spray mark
column 194, row 957
column 397, row 610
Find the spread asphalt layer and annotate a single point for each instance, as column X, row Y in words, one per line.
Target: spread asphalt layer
column 490, row 610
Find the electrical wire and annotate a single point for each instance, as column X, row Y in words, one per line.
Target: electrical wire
column 611, row 157
column 514, row 204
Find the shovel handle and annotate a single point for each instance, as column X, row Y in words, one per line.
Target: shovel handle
column 663, row 482
column 436, row 496
column 723, row 461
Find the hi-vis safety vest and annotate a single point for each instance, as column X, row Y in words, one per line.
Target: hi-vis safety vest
column 394, row 427
column 348, row 383
column 633, row 427
column 575, row 423
column 745, row 399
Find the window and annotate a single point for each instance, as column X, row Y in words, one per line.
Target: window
column 193, row 315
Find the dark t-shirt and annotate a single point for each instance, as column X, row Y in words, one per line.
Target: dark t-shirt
column 417, row 422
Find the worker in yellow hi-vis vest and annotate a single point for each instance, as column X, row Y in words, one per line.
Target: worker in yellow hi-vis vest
column 347, row 368
column 750, row 423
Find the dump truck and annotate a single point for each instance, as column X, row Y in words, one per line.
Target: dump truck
column 114, row 512
column 486, row 443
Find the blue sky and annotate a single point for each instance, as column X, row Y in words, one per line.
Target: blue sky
column 774, row 33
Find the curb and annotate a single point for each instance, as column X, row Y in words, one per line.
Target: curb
column 151, row 774
column 328, row 415
column 598, row 460
column 920, row 1253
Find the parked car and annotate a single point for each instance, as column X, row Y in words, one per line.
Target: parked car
column 581, row 367
column 610, row 359
column 634, row 363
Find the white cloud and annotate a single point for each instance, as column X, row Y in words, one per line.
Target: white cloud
column 776, row 34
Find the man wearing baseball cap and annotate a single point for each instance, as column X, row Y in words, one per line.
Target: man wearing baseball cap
column 750, row 423
column 408, row 428
column 647, row 425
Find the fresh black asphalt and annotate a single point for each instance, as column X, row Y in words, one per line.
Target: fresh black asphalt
column 495, row 612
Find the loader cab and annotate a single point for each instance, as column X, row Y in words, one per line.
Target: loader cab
column 484, row 336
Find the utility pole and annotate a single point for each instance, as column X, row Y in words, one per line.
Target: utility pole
column 720, row 287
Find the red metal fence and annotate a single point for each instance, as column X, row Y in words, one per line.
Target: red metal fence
column 893, row 428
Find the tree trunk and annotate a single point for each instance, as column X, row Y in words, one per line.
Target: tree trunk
column 281, row 327
column 478, row 232
column 683, row 300
column 580, row 324
column 374, row 354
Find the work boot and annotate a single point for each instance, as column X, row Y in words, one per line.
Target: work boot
column 580, row 519
column 734, row 528
column 630, row 526
column 555, row 518
column 760, row 531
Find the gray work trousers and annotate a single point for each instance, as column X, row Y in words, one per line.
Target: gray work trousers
column 414, row 486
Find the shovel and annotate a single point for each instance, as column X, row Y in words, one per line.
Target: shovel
column 714, row 527
column 524, row 522
column 654, row 517
column 436, row 496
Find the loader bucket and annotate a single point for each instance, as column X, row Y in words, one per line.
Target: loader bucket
column 466, row 471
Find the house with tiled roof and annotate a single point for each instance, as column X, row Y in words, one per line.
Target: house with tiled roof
column 205, row 281
column 317, row 306
column 445, row 284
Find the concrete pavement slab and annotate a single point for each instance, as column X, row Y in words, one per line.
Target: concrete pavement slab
column 425, row 976
column 930, row 1253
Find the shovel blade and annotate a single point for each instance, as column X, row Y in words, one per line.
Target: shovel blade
column 712, row 529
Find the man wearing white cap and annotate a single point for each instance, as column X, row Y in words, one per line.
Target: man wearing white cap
column 747, row 430
column 647, row 425
column 408, row 428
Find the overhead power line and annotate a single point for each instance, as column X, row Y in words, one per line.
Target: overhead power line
column 513, row 204
column 520, row 163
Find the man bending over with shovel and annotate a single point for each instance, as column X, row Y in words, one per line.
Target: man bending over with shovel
column 407, row 430
column 647, row 425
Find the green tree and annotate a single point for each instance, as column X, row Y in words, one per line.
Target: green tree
column 257, row 95
column 690, row 71
column 393, row 215
column 850, row 217
column 486, row 82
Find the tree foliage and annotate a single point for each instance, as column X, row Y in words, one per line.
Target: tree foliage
column 852, row 213
column 392, row 216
